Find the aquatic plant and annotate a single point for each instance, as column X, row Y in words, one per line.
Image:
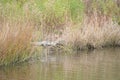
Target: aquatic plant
column 16, row 33
column 15, row 42
column 94, row 32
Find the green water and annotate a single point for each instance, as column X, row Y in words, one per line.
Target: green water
column 85, row 65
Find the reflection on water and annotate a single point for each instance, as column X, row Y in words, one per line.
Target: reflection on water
column 87, row 65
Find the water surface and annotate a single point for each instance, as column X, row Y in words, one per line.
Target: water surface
column 101, row 64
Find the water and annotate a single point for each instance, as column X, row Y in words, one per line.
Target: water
column 88, row 65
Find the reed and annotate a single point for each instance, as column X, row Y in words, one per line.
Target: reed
column 94, row 32
column 15, row 41
column 16, row 33
column 109, row 8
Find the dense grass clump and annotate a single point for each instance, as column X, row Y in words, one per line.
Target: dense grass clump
column 16, row 32
column 94, row 32
column 15, row 42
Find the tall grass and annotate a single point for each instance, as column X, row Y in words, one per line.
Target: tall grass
column 109, row 8
column 94, row 32
column 15, row 43
column 16, row 32
column 57, row 13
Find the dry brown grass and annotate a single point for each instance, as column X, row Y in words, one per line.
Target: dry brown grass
column 96, row 31
column 15, row 38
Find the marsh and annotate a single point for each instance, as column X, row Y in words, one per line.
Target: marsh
column 83, row 65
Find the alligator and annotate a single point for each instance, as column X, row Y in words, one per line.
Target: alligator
column 48, row 43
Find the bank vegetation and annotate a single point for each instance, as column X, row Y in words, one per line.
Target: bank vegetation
column 82, row 24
